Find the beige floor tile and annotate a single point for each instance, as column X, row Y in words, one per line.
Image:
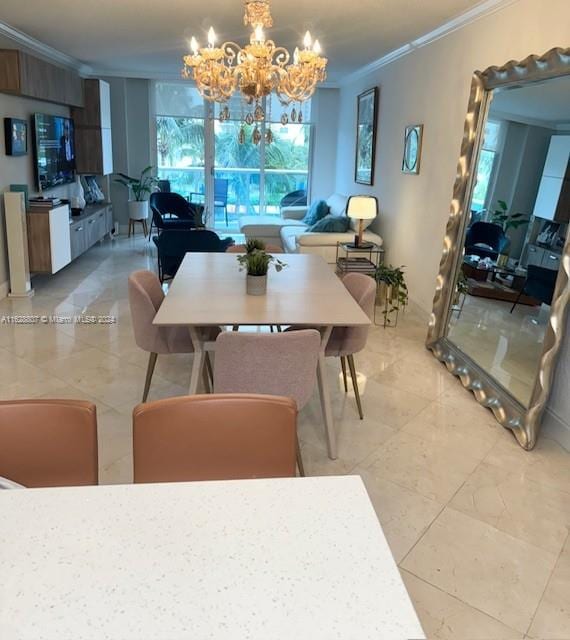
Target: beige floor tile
column 464, row 430
column 514, row 504
column 444, row 617
column 552, row 619
column 118, row 472
column 487, row 569
column 431, row 469
column 548, row 463
column 317, row 462
column 404, row 514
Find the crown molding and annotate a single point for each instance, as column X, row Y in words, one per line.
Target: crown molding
column 481, row 10
column 44, row 50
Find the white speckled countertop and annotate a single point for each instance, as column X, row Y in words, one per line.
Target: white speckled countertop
column 289, row 559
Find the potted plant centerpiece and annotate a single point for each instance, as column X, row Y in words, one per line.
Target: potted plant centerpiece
column 140, row 188
column 392, row 291
column 256, row 261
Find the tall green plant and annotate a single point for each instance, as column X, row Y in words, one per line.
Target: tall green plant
column 141, row 187
column 507, row 220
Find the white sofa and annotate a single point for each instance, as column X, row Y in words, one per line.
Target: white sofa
column 291, row 233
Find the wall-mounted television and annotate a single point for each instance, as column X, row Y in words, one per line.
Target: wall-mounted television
column 54, row 147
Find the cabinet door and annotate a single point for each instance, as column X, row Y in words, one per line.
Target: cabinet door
column 60, row 244
column 551, row 260
column 547, row 198
column 535, row 255
column 91, row 231
column 105, row 104
column 106, row 152
column 77, row 239
column 101, row 224
column 557, row 157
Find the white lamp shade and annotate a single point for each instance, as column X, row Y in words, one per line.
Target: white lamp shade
column 362, row 207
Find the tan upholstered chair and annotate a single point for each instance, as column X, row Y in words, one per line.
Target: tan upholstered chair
column 240, row 248
column 48, row 443
column 283, row 364
column 145, row 297
column 214, row 437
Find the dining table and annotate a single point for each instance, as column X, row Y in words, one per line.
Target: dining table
column 265, row 559
column 209, row 289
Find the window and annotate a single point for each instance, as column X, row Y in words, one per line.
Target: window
column 487, row 166
column 249, row 178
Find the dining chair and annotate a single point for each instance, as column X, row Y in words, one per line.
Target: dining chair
column 214, row 437
column 145, row 297
column 241, row 248
column 48, row 443
column 281, row 364
column 344, row 342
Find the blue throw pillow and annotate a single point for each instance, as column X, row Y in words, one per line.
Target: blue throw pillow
column 316, row 212
column 331, row 224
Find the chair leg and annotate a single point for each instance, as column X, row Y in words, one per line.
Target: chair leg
column 517, row 300
column 209, row 369
column 271, row 328
column 149, row 371
column 278, row 327
column 226, row 212
column 343, row 366
column 235, row 327
column 352, row 368
column 130, row 227
column 299, row 458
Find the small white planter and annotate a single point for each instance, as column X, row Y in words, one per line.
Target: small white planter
column 256, row 285
column 138, row 209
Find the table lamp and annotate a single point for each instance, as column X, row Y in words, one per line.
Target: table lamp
column 361, row 208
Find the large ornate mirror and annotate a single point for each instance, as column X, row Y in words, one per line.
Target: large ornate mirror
column 504, row 280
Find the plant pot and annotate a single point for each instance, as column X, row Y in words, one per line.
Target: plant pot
column 256, row 285
column 502, row 260
column 138, row 209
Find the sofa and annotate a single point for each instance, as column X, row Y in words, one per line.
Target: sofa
column 289, row 231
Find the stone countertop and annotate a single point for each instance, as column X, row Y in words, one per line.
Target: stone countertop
column 297, row 558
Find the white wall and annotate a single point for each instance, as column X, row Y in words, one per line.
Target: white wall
column 324, row 112
column 131, row 124
column 431, row 86
column 19, row 169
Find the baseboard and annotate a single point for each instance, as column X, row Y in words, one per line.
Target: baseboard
column 554, row 427
column 4, row 289
column 419, row 311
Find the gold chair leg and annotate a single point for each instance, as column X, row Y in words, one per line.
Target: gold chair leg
column 271, row 328
column 343, row 365
column 299, row 458
column 235, row 327
column 149, row 371
column 355, row 384
column 278, row 328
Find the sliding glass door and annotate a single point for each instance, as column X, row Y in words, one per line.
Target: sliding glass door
column 204, row 160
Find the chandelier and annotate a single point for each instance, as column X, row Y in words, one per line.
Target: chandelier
column 257, row 70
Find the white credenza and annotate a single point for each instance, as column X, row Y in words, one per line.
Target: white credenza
column 48, row 239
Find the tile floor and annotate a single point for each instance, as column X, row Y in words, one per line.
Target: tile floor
column 478, row 526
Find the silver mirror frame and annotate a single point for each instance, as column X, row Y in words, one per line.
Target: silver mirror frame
column 509, row 412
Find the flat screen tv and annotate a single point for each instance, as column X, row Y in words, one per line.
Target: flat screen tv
column 54, row 146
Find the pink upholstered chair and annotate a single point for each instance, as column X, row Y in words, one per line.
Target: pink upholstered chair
column 145, row 297
column 346, row 341
column 279, row 364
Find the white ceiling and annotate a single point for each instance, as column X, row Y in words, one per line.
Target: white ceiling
column 545, row 102
column 150, row 36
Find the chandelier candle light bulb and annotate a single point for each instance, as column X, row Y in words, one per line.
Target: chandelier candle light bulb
column 257, row 69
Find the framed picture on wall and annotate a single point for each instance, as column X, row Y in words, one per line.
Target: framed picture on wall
column 16, row 136
column 412, row 148
column 366, row 109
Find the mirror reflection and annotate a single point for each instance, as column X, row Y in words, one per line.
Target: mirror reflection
column 519, row 213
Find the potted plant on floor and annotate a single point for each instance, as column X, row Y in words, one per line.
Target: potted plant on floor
column 506, row 220
column 140, row 188
column 392, row 291
column 256, row 261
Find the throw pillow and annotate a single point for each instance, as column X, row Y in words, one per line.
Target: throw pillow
column 316, row 212
column 331, row 224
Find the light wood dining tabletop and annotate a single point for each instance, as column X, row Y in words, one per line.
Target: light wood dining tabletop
column 210, row 290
